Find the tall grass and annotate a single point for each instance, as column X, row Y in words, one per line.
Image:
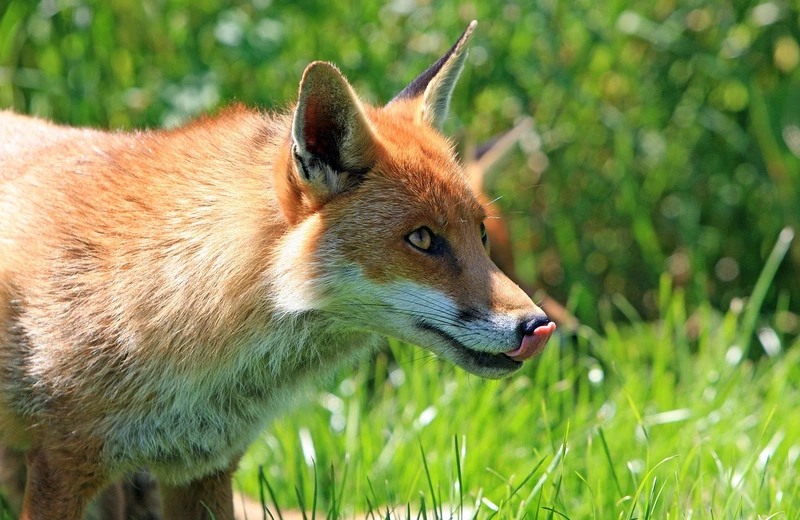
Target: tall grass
column 670, row 419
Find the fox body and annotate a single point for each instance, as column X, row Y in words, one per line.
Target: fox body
column 164, row 294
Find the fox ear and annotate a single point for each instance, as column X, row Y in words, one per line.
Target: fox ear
column 332, row 141
column 433, row 88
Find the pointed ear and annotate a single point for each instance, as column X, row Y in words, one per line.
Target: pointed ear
column 432, row 89
column 332, row 141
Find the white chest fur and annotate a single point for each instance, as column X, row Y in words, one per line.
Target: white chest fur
column 191, row 424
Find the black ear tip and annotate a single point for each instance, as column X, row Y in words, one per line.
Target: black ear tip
column 418, row 86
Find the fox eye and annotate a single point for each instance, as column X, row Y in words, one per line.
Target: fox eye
column 484, row 236
column 421, row 238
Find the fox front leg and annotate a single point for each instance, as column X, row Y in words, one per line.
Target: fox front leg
column 57, row 488
column 209, row 497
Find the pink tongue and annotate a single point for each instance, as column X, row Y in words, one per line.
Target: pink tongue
column 532, row 344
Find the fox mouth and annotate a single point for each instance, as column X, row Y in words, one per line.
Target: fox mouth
column 471, row 359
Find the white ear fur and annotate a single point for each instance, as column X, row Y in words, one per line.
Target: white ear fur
column 333, row 142
column 434, row 87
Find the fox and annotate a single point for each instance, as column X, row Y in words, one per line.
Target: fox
column 165, row 294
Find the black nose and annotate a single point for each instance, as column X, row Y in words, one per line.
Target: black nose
column 531, row 323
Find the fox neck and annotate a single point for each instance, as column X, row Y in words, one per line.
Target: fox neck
column 270, row 371
column 301, row 347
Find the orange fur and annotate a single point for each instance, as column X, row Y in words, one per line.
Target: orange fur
column 164, row 294
column 501, row 251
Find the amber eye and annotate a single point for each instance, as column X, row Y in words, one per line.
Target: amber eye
column 421, row 238
column 484, row 236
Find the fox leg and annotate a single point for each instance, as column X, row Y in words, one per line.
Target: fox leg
column 59, row 487
column 109, row 504
column 142, row 501
column 133, row 497
column 205, row 498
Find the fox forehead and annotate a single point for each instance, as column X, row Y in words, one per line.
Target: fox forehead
column 421, row 164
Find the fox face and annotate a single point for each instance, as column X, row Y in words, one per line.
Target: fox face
column 390, row 236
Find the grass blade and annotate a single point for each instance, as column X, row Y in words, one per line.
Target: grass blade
column 301, row 502
column 460, row 481
column 332, row 510
column 344, row 479
column 263, row 480
column 553, row 511
column 610, row 462
column 430, row 481
column 763, row 283
column 316, row 489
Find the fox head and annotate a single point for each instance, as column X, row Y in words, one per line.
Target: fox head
column 387, row 235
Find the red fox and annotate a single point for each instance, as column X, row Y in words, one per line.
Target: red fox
column 165, row 294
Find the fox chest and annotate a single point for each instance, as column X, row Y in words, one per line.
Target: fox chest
column 181, row 438
column 195, row 427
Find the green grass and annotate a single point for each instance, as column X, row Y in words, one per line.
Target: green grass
column 671, row 424
column 670, row 419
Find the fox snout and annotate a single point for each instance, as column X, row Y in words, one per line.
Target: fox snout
column 535, row 331
column 512, row 330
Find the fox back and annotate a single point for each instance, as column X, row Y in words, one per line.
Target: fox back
column 164, row 294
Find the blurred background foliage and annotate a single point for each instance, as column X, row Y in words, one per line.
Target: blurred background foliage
column 666, row 133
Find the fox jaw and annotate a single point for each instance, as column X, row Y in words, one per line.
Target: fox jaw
column 388, row 235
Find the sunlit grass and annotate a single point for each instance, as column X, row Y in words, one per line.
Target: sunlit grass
column 633, row 424
column 624, row 426
column 670, row 419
